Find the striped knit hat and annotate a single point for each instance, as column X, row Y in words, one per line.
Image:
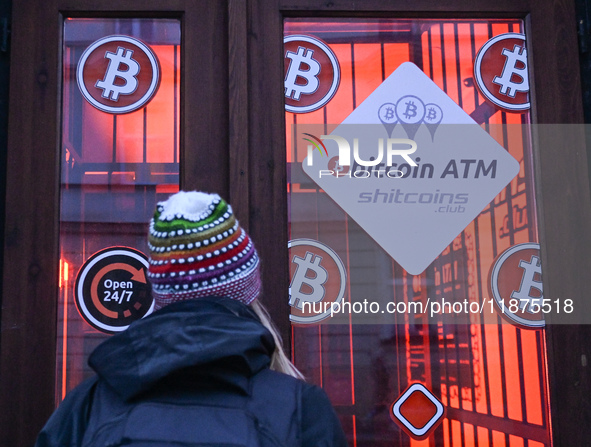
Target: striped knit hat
column 198, row 249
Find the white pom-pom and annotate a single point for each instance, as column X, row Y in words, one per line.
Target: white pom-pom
column 191, row 205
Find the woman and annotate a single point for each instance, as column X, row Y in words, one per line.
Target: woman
column 207, row 367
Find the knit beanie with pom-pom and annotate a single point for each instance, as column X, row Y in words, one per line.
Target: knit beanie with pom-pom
column 198, row 249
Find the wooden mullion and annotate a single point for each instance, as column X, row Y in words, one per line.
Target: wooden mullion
column 29, row 304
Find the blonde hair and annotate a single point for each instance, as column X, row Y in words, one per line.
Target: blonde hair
column 279, row 361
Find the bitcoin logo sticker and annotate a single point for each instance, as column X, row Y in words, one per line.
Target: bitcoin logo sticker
column 532, row 269
column 388, row 117
column 112, row 91
column 516, row 285
column 336, row 168
column 433, row 116
column 312, row 74
column 500, row 70
column 302, row 58
column 515, row 67
column 410, row 111
column 386, row 113
column 118, row 74
column 318, row 279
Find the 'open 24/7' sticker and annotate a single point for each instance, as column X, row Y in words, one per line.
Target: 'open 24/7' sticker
column 111, row 289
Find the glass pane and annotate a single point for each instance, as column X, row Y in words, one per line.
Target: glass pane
column 120, row 155
column 490, row 377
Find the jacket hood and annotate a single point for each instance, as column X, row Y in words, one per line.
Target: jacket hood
column 207, row 335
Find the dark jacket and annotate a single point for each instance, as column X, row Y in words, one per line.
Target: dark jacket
column 206, row 345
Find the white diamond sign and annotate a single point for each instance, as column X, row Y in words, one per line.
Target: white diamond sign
column 409, row 166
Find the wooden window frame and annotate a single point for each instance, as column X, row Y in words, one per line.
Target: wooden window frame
column 562, row 183
column 233, row 140
column 29, row 305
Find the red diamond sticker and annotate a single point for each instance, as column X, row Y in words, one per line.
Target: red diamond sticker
column 418, row 411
